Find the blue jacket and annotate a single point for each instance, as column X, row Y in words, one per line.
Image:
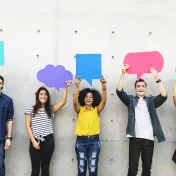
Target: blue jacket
column 6, row 113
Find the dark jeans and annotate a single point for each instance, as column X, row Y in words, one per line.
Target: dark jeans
column 87, row 151
column 42, row 157
column 2, row 157
column 143, row 147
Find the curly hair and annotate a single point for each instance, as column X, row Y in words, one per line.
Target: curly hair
column 47, row 105
column 96, row 96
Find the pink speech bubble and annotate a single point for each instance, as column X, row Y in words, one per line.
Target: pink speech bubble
column 141, row 62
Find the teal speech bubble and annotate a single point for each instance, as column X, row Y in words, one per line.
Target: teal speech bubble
column 1, row 53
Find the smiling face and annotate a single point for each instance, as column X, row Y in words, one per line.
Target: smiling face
column 88, row 99
column 43, row 96
column 140, row 89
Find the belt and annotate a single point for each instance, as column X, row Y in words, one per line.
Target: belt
column 45, row 138
column 87, row 137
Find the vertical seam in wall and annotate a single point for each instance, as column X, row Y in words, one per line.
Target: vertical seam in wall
column 57, row 60
column 57, row 31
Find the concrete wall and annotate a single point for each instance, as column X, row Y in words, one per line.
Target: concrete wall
column 27, row 50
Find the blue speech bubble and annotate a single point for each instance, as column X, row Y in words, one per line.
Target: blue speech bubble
column 88, row 66
column 1, row 53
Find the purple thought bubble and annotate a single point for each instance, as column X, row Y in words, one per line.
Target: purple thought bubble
column 53, row 76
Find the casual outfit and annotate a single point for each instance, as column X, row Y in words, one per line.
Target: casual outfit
column 42, row 130
column 6, row 114
column 87, row 144
column 143, row 125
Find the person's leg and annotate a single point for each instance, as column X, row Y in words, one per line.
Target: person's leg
column 81, row 153
column 134, row 154
column 2, row 157
column 147, row 156
column 35, row 160
column 93, row 156
column 47, row 149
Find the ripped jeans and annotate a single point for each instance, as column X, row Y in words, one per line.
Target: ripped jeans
column 87, row 151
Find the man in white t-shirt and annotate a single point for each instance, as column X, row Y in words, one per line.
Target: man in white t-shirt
column 143, row 122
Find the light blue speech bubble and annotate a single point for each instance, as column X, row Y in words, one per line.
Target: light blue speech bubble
column 1, row 53
column 88, row 67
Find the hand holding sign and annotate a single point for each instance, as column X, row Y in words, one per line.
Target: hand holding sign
column 154, row 73
column 103, row 82
column 125, row 67
column 141, row 62
column 77, row 81
column 68, row 83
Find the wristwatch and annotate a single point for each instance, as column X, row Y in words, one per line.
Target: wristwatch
column 159, row 80
column 9, row 138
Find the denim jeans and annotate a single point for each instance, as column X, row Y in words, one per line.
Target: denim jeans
column 143, row 147
column 87, row 150
column 2, row 157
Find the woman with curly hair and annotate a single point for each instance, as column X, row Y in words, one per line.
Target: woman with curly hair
column 40, row 130
column 88, row 104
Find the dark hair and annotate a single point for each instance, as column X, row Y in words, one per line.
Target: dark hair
column 96, row 96
column 47, row 105
column 140, row 80
column 2, row 81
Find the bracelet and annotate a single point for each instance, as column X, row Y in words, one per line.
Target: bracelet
column 9, row 138
column 159, row 80
column 104, row 88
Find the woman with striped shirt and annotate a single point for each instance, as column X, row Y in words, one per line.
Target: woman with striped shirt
column 40, row 130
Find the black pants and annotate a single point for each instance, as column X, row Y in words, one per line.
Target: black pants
column 42, row 157
column 143, row 147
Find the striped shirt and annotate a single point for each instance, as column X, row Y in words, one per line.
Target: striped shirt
column 41, row 124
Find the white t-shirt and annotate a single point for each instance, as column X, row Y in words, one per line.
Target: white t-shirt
column 143, row 125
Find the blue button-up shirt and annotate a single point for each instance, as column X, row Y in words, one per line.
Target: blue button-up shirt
column 6, row 113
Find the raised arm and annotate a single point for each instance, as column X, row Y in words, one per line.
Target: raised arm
column 162, row 97
column 58, row 106
column 121, row 81
column 104, row 96
column 174, row 95
column 76, row 94
column 120, row 93
column 159, row 82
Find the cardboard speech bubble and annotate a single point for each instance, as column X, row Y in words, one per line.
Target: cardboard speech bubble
column 54, row 76
column 140, row 62
column 88, row 66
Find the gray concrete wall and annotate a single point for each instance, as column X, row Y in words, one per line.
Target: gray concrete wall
column 27, row 51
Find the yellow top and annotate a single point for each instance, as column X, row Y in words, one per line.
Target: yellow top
column 88, row 122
